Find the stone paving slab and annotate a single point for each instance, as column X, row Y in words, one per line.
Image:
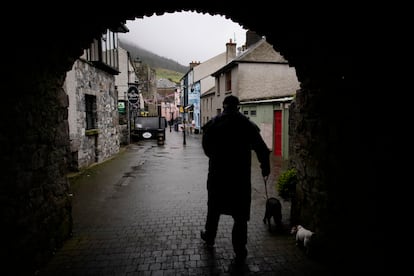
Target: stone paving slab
column 141, row 214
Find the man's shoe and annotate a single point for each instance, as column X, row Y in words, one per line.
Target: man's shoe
column 239, row 261
column 208, row 242
column 238, row 266
column 240, row 258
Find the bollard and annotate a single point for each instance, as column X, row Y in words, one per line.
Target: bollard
column 161, row 136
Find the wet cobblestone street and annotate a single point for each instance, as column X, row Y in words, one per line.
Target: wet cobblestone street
column 141, row 213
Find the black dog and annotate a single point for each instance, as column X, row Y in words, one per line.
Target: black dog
column 273, row 209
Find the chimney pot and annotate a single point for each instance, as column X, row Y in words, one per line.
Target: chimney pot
column 230, row 51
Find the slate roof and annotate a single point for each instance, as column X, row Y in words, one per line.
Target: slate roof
column 260, row 52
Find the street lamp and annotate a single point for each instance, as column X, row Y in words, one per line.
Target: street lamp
column 185, row 110
column 182, row 93
column 171, row 119
column 184, row 130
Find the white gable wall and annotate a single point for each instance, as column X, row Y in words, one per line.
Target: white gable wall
column 258, row 81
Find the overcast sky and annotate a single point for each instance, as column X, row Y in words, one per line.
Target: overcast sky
column 184, row 36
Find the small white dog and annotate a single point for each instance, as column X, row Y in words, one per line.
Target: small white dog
column 303, row 236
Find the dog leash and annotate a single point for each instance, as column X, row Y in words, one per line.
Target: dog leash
column 265, row 183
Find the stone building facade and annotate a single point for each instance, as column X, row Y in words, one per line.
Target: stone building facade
column 147, row 86
column 88, row 85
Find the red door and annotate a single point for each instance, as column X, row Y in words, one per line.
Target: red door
column 277, row 148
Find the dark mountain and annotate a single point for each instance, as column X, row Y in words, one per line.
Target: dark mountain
column 153, row 60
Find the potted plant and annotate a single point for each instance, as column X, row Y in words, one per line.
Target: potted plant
column 286, row 184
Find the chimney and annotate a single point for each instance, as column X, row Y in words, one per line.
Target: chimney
column 251, row 38
column 230, row 51
column 194, row 64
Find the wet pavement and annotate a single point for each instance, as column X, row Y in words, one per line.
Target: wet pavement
column 141, row 213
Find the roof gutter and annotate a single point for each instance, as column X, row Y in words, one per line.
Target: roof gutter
column 285, row 99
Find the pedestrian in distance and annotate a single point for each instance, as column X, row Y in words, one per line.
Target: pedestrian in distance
column 228, row 141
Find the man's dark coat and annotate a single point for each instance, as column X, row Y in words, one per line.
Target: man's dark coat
column 228, row 141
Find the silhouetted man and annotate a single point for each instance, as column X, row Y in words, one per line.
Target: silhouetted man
column 228, row 140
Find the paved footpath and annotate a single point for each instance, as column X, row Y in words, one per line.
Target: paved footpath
column 141, row 213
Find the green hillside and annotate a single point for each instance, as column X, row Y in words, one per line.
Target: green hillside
column 153, row 60
column 165, row 68
column 173, row 76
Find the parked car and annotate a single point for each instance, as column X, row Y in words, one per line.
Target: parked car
column 151, row 127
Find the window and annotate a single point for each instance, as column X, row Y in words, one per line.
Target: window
column 246, row 112
column 90, row 109
column 228, row 81
column 252, row 112
column 103, row 52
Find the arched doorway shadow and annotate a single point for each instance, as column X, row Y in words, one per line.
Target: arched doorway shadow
column 34, row 188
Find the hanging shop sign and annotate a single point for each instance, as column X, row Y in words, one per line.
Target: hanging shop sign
column 133, row 95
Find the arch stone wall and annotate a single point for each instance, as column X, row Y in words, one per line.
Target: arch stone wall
column 335, row 141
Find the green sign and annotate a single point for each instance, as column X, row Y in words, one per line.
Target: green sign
column 121, row 107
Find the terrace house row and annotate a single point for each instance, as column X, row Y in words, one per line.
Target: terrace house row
column 258, row 75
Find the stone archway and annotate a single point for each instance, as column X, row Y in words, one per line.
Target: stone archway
column 334, row 132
